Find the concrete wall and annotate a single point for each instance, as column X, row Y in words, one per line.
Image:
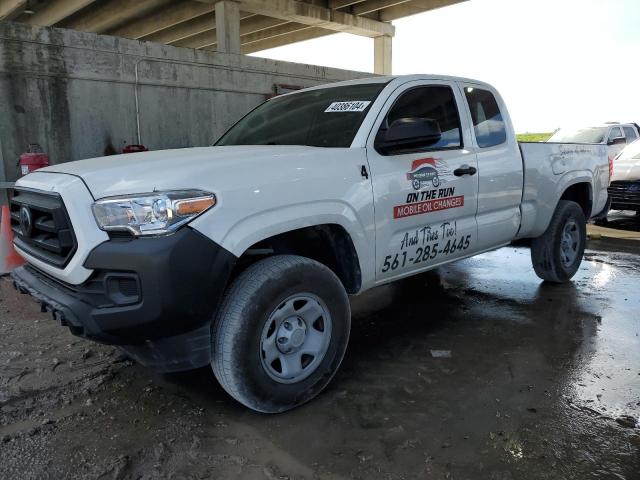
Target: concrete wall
column 74, row 93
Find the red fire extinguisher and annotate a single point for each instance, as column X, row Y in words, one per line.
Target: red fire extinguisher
column 33, row 159
column 134, row 149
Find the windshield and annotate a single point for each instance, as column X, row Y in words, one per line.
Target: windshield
column 327, row 117
column 579, row 135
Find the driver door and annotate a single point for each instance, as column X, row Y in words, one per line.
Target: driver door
column 426, row 194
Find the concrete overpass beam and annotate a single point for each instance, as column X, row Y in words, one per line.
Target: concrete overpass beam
column 412, row 7
column 316, row 16
column 203, row 23
column 382, row 50
column 297, row 33
column 335, row 4
column 56, row 11
column 10, row 9
column 373, row 6
column 174, row 14
column 106, row 16
column 228, row 26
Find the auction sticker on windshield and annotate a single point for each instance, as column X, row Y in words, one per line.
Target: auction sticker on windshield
column 352, row 106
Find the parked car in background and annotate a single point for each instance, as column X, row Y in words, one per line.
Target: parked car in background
column 615, row 135
column 624, row 190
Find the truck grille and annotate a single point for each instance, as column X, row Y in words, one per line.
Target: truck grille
column 624, row 194
column 41, row 226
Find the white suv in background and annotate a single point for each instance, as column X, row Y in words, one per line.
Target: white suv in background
column 615, row 135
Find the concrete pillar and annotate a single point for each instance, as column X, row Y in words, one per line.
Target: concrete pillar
column 382, row 47
column 228, row 26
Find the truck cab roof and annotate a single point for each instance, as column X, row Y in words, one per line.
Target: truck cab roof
column 400, row 79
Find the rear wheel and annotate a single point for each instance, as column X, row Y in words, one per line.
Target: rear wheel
column 281, row 333
column 556, row 255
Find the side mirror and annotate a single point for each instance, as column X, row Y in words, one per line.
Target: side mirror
column 617, row 141
column 405, row 133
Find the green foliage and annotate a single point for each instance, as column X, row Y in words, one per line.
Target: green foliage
column 533, row 137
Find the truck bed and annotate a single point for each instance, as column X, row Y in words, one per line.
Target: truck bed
column 549, row 168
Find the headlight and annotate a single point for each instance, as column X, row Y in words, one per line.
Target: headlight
column 155, row 213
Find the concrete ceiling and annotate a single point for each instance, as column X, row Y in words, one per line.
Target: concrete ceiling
column 191, row 23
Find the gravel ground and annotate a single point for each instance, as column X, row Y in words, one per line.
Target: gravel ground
column 473, row 371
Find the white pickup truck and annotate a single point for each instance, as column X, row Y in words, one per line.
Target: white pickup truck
column 242, row 255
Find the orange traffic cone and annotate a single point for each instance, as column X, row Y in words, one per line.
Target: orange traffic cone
column 9, row 258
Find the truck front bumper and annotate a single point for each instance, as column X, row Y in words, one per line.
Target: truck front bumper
column 153, row 297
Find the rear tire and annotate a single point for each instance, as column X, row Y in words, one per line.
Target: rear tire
column 556, row 254
column 280, row 333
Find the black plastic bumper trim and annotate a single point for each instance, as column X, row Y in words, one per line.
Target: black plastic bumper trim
column 181, row 277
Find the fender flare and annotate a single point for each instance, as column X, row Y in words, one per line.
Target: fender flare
column 271, row 222
column 540, row 213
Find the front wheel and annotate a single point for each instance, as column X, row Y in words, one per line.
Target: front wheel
column 281, row 333
column 556, row 255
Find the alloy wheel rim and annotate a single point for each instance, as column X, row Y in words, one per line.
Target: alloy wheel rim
column 295, row 338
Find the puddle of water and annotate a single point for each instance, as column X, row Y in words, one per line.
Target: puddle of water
column 605, row 371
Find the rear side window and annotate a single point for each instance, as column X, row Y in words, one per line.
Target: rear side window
column 615, row 133
column 488, row 123
column 630, row 133
column 435, row 103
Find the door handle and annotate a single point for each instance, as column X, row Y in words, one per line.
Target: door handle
column 465, row 170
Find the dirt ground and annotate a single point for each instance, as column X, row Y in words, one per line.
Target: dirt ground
column 474, row 371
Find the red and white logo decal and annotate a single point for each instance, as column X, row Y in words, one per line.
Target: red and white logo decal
column 426, row 177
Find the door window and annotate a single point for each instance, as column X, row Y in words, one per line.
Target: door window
column 630, row 133
column 435, row 103
column 615, row 133
column 488, row 123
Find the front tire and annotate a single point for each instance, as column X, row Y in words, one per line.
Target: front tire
column 556, row 254
column 280, row 333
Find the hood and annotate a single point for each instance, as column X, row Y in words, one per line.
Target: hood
column 205, row 168
column 626, row 167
